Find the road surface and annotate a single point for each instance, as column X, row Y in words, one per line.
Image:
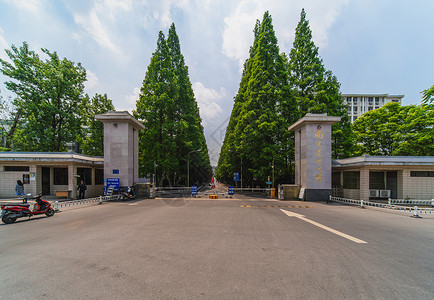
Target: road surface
column 241, row 248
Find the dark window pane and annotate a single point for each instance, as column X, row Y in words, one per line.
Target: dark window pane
column 85, row 174
column 60, row 176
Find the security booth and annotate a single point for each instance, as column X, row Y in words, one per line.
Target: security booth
column 52, row 173
column 382, row 177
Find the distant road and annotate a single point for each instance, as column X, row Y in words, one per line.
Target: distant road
column 182, row 248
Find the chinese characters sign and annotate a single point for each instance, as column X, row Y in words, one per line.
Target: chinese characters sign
column 318, row 141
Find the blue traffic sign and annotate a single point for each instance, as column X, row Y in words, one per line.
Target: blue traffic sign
column 114, row 182
column 194, row 190
column 230, row 190
column 236, row 176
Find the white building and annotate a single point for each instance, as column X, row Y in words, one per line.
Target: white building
column 358, row 104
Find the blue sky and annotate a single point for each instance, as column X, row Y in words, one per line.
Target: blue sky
column 371, row 46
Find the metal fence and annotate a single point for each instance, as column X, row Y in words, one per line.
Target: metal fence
column 416, row 210
column 72, row 203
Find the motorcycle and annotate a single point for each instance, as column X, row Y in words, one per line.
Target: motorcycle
column 11, row 212
column 129, row 194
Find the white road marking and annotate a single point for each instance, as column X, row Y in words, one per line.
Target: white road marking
column 301, row 217
column 133, row 204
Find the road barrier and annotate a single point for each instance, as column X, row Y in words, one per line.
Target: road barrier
column 410, row 201
column 98, row 200
column 362, row 203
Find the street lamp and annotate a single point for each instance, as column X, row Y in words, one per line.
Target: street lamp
column 188, row 166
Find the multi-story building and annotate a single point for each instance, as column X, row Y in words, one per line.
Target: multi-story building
column 358, row 104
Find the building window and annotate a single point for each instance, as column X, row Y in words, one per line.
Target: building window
column 355, row 100
column 421, row 173
column 376, row 181
column 336, row 178
column 352, row 180
column 370, row 108
column 16, row 169
column 60, row 176
column 377, row 101
column 85, row 174
column 99, row 176
column 354, row 118
column 355, row 108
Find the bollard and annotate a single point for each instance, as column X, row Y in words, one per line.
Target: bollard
column 100, row 200
column 56, row 206
column 416, row 212
column 389, row 201
column 432, row 202
column 361, row 204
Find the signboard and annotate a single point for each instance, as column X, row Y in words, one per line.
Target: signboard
column 236, row 176
column 194, row 190
column 230, row 190
column 268, row 182
column 115, row 171
column 301, row 195
column 114, row 182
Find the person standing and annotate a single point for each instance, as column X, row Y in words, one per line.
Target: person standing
column 19, row 188
column 82, row 189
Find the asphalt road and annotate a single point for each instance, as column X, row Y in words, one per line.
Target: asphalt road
column 244, row 248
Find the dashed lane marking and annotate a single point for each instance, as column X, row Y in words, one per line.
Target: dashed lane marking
column 278, row 206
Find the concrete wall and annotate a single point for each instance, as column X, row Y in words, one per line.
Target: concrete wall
column 419, row 188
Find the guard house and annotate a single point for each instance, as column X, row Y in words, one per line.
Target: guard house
column 382, row 177
column 121, row 146
column 50, row 173
column 313, row 151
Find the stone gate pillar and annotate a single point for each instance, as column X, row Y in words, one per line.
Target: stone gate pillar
column 121, row 146
column 313, row 159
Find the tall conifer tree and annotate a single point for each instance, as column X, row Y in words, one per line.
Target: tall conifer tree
column 189, row 130
column 318, row 91
column 170, row 114
column 257, row 133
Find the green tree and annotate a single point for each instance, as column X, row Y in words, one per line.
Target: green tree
column 428, row 95
column 189, row 130
column 317, row 90
column 170, row 114
column 264, row 107
column 49, row 95
column 396, row 130
column 92, row 140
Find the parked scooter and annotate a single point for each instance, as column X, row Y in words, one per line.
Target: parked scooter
column 11, row 212
column 129, row 194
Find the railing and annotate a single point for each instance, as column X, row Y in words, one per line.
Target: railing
column 410, row 201
column 416, row 210
column 72, row 203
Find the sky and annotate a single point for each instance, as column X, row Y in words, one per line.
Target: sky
column 371, row 46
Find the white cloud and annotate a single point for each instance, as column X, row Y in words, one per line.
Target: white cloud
column 206, row 100
column 160, row 11
column 93, row 26
column 132, row 98
column 3, row 45
column 238, row 31
column 92, row 80
column 29, row 5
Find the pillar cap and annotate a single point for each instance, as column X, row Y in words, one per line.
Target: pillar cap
column 315, row 119
column 120, row 116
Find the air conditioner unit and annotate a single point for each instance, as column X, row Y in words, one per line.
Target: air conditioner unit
column 385, row 194
column 374, row 193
